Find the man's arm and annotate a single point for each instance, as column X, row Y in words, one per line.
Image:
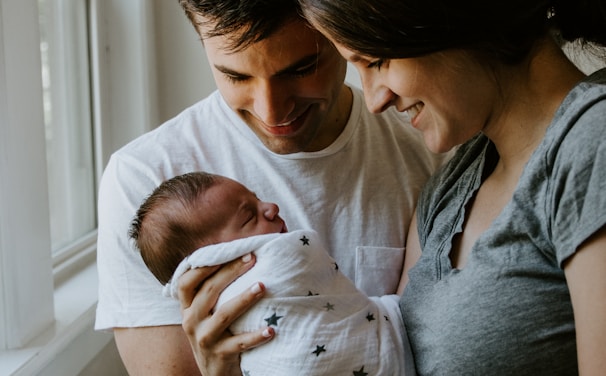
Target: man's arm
column 156, row 350
column 166, row 350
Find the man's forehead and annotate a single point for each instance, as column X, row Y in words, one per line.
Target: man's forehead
column 293, row 30
column 292, row 43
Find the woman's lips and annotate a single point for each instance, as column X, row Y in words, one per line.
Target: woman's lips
column 413, row 111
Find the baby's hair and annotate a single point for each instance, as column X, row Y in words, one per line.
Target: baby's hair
column 166, row 227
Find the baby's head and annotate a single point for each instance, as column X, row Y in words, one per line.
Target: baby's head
column 194, row 210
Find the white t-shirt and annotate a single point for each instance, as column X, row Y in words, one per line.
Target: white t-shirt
column 359, row 193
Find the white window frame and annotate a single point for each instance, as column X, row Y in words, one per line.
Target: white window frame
column 69, row 124
column 27, row 302
column 47, row 306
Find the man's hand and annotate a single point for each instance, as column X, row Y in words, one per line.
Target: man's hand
column 216, row 350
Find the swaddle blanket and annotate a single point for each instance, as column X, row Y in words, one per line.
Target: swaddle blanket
column 323, row 324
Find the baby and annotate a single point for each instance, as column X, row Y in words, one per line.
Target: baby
column 323, row 324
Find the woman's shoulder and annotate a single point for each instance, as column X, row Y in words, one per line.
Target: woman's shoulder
column 581, row 119
column 587, row 93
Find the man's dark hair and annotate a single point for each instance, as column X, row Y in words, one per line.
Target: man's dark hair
column 245, row 21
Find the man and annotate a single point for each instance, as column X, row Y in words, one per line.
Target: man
column 284, row 124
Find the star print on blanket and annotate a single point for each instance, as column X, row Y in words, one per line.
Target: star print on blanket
column 323, row 324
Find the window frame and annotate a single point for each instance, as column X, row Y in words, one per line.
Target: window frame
column 70, row 157
column 23, row 255
column 47, row 305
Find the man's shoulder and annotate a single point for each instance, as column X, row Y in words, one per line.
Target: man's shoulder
column 204, row 117
column 188, row 141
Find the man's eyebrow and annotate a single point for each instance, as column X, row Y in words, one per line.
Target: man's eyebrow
column 293, row 68
column 228, row 71
column 301, row 63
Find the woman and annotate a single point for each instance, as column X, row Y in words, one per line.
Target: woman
column 510, row 253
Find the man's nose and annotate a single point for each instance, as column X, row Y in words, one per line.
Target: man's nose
column 273, row 103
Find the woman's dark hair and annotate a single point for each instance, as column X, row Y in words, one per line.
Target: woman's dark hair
column 245, row 21
column 504, row 29
column 166, row 227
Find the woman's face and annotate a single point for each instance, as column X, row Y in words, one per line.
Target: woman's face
column 447, row 95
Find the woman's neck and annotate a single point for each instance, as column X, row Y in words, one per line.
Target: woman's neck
column 532, row 92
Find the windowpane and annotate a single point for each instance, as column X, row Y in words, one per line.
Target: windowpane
column 67, row 118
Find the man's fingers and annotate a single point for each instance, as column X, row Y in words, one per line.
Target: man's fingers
column 247, row 341
column 211, row 328
column 207, row 331
column 207, row 283
column 189, row 284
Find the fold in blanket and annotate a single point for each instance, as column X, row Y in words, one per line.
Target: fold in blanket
column 323, row 324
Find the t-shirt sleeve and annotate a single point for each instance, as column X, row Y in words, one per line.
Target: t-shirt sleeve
column 579, row 184
column 129, row 295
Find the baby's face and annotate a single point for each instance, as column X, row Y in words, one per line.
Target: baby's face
column 235, row 212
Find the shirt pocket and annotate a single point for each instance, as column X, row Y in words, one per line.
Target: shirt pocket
column 378, row 269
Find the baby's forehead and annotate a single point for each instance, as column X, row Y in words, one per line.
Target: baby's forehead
column 234, row 184
column 226, row 191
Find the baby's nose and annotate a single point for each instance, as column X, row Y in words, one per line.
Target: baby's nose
column 270, row 210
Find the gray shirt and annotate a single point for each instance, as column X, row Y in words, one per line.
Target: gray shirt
column 508, row 312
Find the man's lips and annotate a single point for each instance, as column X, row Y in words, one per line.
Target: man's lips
column 287, row 128
column 287, row 123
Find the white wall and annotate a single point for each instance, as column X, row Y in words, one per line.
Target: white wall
column 184, row 75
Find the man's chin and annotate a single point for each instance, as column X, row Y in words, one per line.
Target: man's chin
column 283, row 148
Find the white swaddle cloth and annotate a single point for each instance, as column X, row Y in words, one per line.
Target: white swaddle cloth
column 323, row 324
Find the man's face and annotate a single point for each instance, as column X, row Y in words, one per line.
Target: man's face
column 288, row 88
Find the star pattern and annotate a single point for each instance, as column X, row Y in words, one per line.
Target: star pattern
column 319, row 350
column 273, row 320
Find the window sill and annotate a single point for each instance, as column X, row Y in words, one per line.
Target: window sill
column 70, row 343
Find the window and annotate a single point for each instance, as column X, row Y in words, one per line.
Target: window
column 67, row 121
column 72, row 91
